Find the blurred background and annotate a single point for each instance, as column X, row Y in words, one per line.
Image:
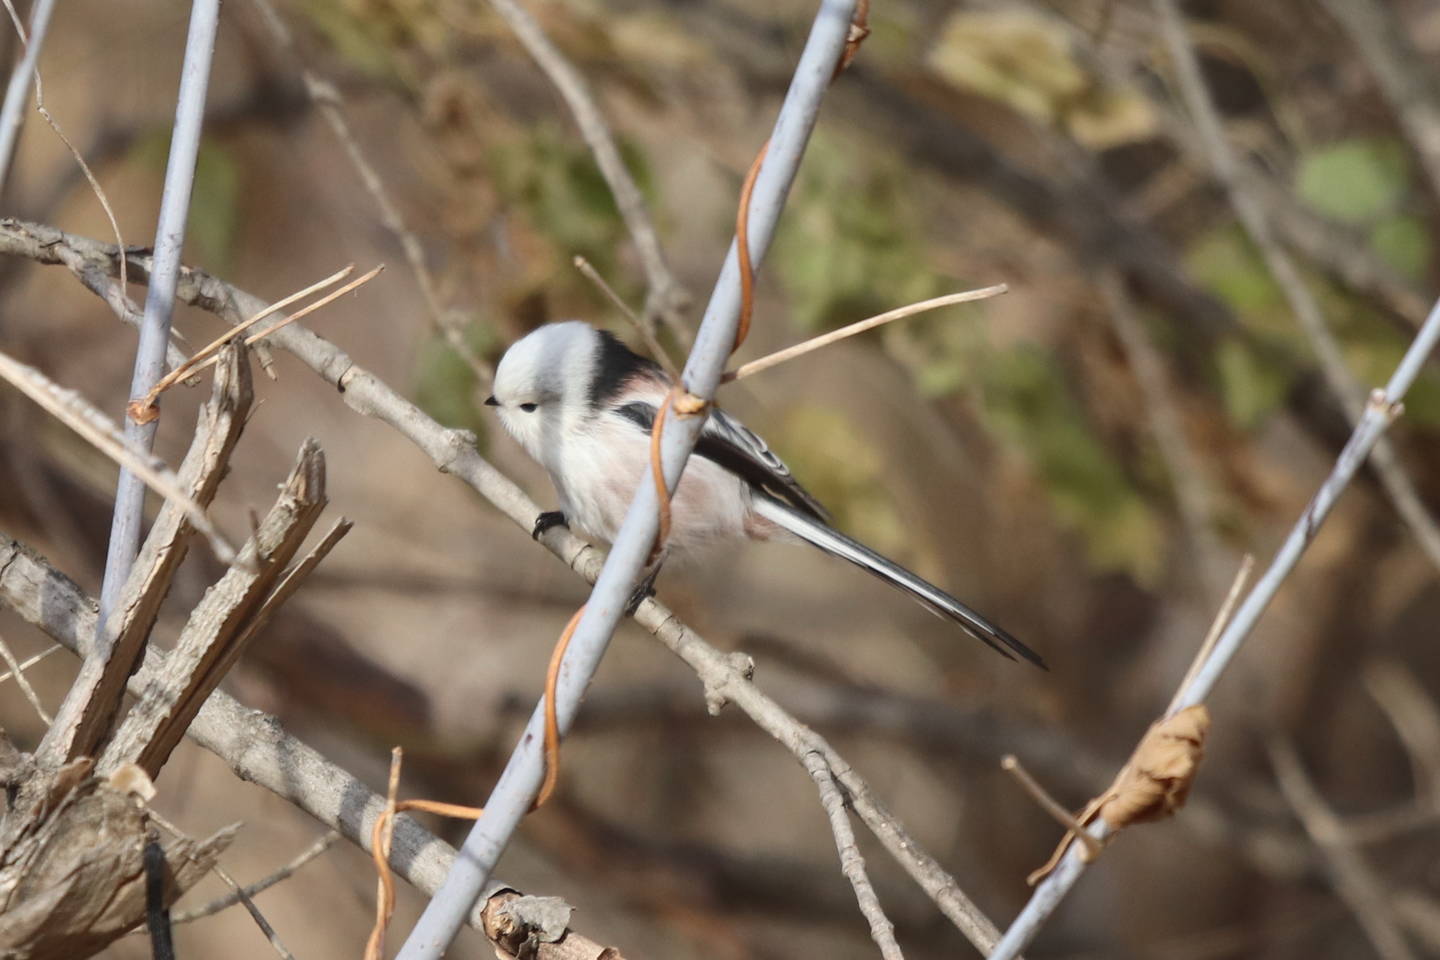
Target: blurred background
column 1084, row 459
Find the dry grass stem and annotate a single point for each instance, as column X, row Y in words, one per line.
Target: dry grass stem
column 825, row 339
column 1011, row 764
column 143, row 411
column 100, row 431
column 213, row 347
column 652, row 343
column 1217, row 627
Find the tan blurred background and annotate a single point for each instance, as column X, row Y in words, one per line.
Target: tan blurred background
column 1007, row 451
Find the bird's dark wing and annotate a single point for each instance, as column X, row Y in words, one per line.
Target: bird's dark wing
column 728, row 443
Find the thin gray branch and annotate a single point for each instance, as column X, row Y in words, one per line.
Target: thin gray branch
column 1354, row 881
column 160, row 299
column 12, row 114
column 1380, row 412
column 852, row 863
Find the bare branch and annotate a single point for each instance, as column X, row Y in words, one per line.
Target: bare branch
column 852, row 863
column 1354, row 881
column 666, row 298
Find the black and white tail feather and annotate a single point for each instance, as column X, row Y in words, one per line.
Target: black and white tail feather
column 939, row 602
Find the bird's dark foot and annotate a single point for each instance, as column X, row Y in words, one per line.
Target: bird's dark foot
column 644, row 590
column 546, row 520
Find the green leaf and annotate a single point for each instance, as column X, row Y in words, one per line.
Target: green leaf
column 1354, row 181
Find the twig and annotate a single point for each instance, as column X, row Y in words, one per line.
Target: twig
column 1416, row 720
column 380, row 852
column 1252, row 215
column 453, row 451
column 331, row 104
column 192, row 365
column 852, row 863
column 160, row 298
column 30, row 662
column 254, row 911
column 18, row 672
column 1217, row 626
column 99, row 431
column 326, row 841
column 652, row 343
column 1354, row 881
column 666, row 298
column 13, row 112
column 95, row 187
column 850, row 330
column 1011, row 764
column 1193, row 489
column 1384, row 405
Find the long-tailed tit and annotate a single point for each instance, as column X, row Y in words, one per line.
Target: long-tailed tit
column 582, row 404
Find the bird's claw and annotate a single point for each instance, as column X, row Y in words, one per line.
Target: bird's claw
column 547, row 520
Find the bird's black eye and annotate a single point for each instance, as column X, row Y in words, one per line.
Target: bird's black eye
column 529, row 407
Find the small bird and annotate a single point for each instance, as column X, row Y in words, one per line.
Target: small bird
column 583, row 404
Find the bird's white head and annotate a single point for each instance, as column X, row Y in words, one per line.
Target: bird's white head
column 544, row 381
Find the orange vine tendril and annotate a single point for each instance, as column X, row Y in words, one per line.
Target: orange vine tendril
column 552, row 722
column 742, row 246
column 657, row 473
column 380, row 834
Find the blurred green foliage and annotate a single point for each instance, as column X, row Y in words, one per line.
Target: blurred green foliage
column 1364, row 182
column 1027, row 402
column 550, row 176
column 853, row 486
column 851, row 243
column 214, row 218
column 445, row 386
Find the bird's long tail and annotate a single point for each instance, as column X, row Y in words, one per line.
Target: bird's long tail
column 938, row 601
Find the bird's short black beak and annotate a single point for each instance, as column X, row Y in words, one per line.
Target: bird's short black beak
column 491, row 402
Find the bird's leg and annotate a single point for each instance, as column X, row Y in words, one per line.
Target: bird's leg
column 546, row 520
column 644, row 590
